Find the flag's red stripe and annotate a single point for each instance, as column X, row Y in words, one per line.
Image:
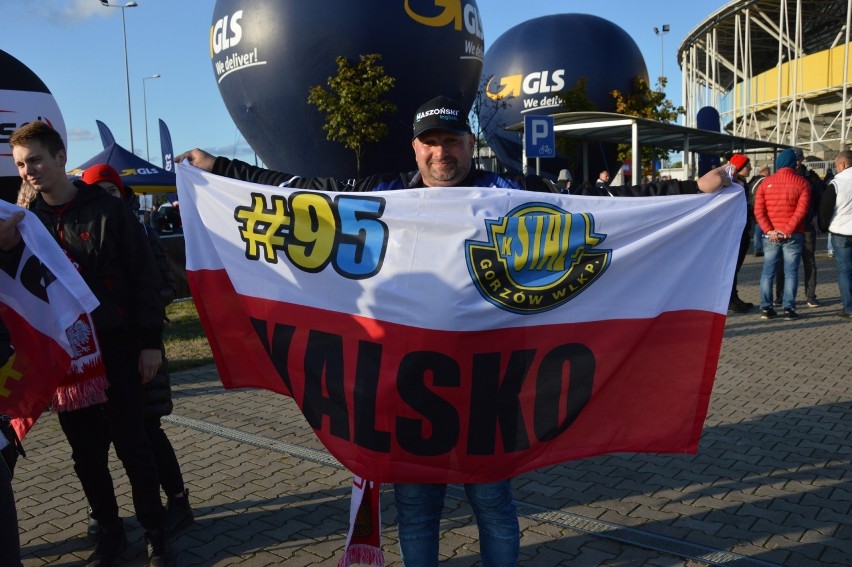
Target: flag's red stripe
column 652, row 380
column 38, row 367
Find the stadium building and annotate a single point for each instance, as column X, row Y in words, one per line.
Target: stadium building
column 776, row 70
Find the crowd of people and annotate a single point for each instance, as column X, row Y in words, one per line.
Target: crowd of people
column 129, row 321
column 786, row 209
column 130, row 318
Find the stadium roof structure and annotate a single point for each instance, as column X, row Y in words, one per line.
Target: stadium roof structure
column 614, row 128
column 775, row 69
column 820, row 25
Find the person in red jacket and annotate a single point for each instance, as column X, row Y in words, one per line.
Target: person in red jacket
column 780, row 207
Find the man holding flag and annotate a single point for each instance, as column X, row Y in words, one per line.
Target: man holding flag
column 443, row 147
column 106, row 244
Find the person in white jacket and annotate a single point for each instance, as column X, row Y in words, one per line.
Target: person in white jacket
column 835, row 216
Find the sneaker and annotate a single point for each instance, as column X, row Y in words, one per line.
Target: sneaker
column 790, row 314
column 110, row 545
column 93, row 530
column 178, row 513
column 767, row 313
column 830, row 254
column 844, row 315
column 813, row 302
column 159, row 554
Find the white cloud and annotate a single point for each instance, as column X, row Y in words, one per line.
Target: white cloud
column 60, row 12
column 78, row 134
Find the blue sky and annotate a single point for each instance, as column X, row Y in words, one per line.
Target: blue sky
column 75, row 47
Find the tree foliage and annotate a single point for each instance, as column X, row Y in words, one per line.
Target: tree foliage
column 646, row 103
column 354, row 103
column 574, row 99
column 484, row 113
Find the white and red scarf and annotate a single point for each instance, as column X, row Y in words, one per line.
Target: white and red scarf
column 46, row 306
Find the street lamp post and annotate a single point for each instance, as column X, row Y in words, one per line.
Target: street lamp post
column 662, row 33
column 126, row 66
column 145, row 111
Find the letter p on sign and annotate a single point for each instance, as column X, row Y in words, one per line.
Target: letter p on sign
column 539, row 136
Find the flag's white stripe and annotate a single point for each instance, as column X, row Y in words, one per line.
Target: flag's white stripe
column 671, row 253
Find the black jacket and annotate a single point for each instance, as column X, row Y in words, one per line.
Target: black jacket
column 5, row 344
column 110, row 250
column 236, row 169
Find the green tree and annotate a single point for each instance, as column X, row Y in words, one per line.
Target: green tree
column 354, row 104
column 646, row 103
column 484, row 112
column 574, row 99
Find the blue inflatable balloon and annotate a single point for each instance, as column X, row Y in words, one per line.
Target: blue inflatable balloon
column 531, row 62
column 267, row 54
column 707, row 118
column 23, row 98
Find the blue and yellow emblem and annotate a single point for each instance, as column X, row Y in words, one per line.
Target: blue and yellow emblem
column 537, row 258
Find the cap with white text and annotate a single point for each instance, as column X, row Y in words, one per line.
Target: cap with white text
column 441, row 113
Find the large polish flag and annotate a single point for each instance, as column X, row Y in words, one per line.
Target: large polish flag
column 42, row 297
column 467, row 334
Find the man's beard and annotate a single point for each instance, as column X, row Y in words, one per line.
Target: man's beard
column 446, row 170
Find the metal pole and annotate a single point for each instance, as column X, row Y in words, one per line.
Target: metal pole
column 145, row 107
column 106, row 4
column 127, row 78
column 842, row 143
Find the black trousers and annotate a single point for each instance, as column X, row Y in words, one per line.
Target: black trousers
column 120, row 420
column 745, row 240
column 10, row 543
column 171, row 478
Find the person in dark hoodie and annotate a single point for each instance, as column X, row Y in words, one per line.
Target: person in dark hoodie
column 742, row 167
column 105, row 243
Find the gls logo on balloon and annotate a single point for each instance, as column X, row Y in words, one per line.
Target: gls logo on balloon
column 454, row 13
column 537, row 258
column 226, row 34
column 537, row 83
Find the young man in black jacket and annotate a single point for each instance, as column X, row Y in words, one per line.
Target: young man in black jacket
column 443, row 149
column 106, row 244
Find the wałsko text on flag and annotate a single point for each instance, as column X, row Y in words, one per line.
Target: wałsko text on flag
column 43, row 300
column 463, row 334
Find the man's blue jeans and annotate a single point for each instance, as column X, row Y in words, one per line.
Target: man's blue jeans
column 790, row 252
column 843, row 260
column 758, row 239
column 419, row 507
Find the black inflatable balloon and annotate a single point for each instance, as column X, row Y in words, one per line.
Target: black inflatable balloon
column 532, row 61
column 267, row 54
column 23, row 98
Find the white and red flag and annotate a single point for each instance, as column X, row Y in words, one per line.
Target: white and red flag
column 45, row 304
column 467, row 334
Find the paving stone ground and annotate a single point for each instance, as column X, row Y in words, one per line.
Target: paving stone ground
column 771, row 484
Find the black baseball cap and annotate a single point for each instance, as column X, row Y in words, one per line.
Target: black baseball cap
column 442, row 113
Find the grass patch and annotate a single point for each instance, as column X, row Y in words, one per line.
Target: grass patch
column 186, row 343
